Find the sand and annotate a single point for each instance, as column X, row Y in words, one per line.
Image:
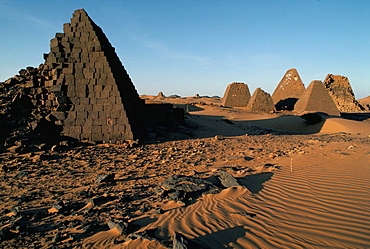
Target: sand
column 323, row 203
column 302, row 186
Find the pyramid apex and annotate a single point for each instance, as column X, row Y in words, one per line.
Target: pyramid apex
column 316, row 99
column 80, row 11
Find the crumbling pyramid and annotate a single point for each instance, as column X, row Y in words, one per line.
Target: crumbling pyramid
column 260, row 101
column 236, row 95
column 341, row 91
column 91, row 92
column 316, row 99
column 288, row 90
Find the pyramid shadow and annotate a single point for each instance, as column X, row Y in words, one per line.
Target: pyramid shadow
column 356, row 116
column 286, row 104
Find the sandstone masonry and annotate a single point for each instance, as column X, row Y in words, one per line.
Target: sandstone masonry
column 236, row 95
column 341, row 91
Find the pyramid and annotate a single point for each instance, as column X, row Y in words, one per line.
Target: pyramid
column 260, row 101
column 288, row 90
column 236, row 95
column 92, row 95
column 316, row 99
column 341, row 91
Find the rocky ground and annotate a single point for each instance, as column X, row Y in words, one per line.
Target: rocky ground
column 57, row 198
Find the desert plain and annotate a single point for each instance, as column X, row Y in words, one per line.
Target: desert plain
column 297, row 185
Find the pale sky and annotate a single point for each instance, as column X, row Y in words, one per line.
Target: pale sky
column 200, row 46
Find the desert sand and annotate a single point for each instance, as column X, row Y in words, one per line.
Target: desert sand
column 300, row 186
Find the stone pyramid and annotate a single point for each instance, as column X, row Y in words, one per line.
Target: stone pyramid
column 288, row 90
column 236, row 95
column 90, row 90
column 260, row 101
column 341, row 91
column 316, row 99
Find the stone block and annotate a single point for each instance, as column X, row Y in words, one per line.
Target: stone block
column 59, row 115
column 98, row 121
column 86, row 136
column 98, row 107
column 97, row 137
column 96, row 129
column 54, row 43
column 77, row 129
column 82, row 115
column 107, row 107
column 107, row 129
column 93, row 115
column 87, row 129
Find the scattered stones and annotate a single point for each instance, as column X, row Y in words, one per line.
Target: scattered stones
column 186, row 187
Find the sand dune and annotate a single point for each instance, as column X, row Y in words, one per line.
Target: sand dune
column 315, row 206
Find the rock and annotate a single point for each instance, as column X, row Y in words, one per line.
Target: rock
column 181, row 242
column 219, row 137
column 184, row 187
column 60, row 207
column 105, row 178
column 120, row 225
column 227, row 180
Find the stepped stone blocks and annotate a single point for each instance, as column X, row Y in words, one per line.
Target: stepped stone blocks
column 341, row 91
column 260, row 101
column 236, row 95
column 316, row 99
column 90, row 90
column 288, row 90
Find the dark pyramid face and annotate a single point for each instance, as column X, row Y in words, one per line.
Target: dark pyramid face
column 260, row 101
column 236, row 95
column 102, row 100
column 316, row 99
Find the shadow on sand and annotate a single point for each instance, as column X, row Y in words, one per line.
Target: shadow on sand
column 224, row 237
column 254, row 183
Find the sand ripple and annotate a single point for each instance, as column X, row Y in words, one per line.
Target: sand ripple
column 313, row 207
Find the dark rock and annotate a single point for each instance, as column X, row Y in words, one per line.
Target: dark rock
column 186, row 187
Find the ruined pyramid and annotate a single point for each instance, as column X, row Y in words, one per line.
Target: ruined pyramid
column 316, row 99
column 236, row 95
column 260, row 101
column 341, row 91
column 92, row 95
column 288, row 90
